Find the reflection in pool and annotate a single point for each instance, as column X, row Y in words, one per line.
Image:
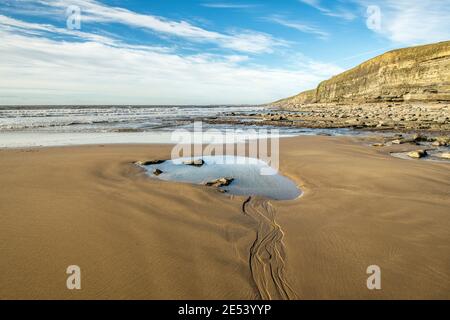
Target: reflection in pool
column 245, row 172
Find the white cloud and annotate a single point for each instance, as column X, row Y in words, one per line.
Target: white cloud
column 405, row 22
column 413, row 21
column 43, row 30
column 41, row 70
column 95, row 12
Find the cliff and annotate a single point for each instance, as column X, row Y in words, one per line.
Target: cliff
column 419, row 73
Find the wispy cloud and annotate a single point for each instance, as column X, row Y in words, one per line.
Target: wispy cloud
column 224, row 5
column 302, row 27
column 15, row 26
column 410, row 22
column 42, row 29
column 338, row 12
column 95, row 12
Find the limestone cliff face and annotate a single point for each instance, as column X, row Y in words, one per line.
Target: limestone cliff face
column 419, row 73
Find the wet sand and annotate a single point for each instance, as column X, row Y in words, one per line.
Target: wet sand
column 141, row 238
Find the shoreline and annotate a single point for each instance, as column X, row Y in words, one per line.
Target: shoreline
column 164, row 137
column 23, row 139
column 140, row 238
column 380, row 142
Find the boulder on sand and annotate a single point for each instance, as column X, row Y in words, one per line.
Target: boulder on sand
column 441, row 141
column 417, row 154
column 404, row 140
column 445, row 155
column 397, row 141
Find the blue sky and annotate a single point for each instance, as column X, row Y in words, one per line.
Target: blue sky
column 197, row 52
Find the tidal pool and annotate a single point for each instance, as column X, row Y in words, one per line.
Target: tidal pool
column 245, row 172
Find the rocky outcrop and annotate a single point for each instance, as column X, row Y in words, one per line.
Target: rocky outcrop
column 404, row 90
column 419, row 73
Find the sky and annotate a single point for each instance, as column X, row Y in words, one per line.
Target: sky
column 169, row 52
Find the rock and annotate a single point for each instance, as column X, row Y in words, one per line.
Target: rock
column 439, row 143
column 122, row 130
column 378, row 144
column 417, row 154
column 221, row 182
column 402, row 141
column 149, row 162
column 417, row 137
column 157, row 172
column 194, row 162
column 442, row 141
column 445, row 155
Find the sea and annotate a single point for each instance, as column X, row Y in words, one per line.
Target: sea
column 34, row 126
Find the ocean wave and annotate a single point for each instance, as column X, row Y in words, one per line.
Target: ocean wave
column 105, row 118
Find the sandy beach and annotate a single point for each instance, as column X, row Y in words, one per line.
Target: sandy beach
column 140, row 238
